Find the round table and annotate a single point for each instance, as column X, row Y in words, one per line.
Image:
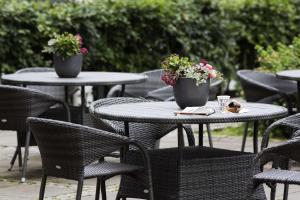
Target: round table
column 163, row 112
column 83, row 79
column 293, row 75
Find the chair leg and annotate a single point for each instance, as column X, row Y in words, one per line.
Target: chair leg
column 42, row 188
column 97, row 196
column 23, row 179
column 12, row 162
column 209, row 135
column 79, row 189
column 273, row 192
column 286, row 192
column 103, row 189
column 20, row 156
column 245, row 136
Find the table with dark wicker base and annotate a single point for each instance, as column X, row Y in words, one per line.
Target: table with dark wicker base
column 192, row 173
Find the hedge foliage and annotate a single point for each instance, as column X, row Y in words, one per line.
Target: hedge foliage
column 135, row 35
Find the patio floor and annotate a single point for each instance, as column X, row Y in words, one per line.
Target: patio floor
column 59, row 189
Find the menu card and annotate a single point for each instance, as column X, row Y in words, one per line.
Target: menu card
column 203, row 110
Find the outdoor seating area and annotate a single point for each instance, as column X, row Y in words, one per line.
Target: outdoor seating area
column 149, row 99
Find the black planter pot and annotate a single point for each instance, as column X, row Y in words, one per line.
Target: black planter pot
column 188, row 94
column 67, row 68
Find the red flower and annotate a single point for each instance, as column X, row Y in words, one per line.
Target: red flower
column 84, row 51
column 203, row 61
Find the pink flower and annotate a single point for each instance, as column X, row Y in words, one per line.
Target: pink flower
column 79, row 38
column 212, row 74
column 84, row 50
column 209, row 67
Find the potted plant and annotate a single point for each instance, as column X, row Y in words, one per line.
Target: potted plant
column 67, row 53
column 190, row 81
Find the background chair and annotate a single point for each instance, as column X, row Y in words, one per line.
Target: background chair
column 153, row 82
column 16, row 104
column 265, row 88
column 71, row 151
column 148, row 134
column 279, row 174
column 281, row 161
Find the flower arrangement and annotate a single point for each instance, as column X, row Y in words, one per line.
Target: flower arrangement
column 66, row 45
column 177, row 67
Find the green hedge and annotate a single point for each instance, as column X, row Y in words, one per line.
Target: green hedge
column 135, row 35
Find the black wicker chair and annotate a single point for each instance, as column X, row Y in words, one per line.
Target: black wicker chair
column 147, row 133
column 280, row 156
column 153, row 82
column 71, row 151
column 16, row 104
column 265, row 88
column 279, row 174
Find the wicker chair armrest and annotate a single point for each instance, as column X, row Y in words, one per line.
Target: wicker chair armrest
column 114, row 91
column 144, row 154
column 288, row 150
column 292, row 121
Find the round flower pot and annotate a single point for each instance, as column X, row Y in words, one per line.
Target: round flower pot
column 188, row 94
column 67, row 68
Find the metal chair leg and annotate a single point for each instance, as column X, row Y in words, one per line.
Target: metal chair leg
column 245, row 136
column 42, row 188
column 273, row 192
column 97, row 196
column 20, row 156
column 23, row 179
column 209, row 135
column 103, row 189
column 286, row 192
column 12, row 162
column 79, row 189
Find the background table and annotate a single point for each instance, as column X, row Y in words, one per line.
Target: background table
column 163, row 112
column 83, row 79
column 293, row 75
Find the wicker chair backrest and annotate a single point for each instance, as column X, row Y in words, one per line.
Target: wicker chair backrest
column 146, row 133
column 67, row 148
column 17, row 103
column 255, row 84
column 56, row 91
column 141, row 89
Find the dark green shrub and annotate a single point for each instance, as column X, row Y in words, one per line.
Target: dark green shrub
column 122, row 35
column 260, row 22
column 135, row 35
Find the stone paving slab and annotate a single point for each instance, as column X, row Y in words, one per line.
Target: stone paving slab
column 60, row 189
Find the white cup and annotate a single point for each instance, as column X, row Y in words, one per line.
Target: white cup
column 222, row 100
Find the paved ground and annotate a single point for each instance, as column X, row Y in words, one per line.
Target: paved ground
column 58, row 189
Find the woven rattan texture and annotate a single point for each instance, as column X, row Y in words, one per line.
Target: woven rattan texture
column 203, row 173
column 17, row 103
column 84, row 78
column 67, row 148
column 279, row 176
column 163, row 112
column 146, row 133
column 264, row 87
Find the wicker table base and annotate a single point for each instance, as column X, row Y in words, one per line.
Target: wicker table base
column 203, row 173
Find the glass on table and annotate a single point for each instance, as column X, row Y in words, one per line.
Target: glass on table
column 222, row 100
